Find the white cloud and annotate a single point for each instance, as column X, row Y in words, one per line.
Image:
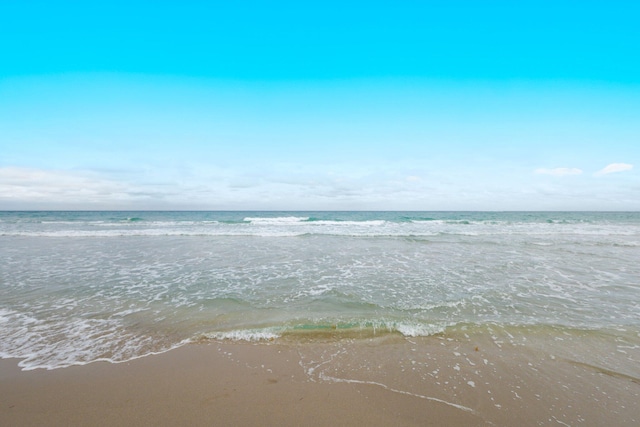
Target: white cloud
column 57, row 187
column 559, row 171
column 313, row 188
column 613, row 168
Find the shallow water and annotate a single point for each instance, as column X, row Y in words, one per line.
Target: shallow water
column 77, row 287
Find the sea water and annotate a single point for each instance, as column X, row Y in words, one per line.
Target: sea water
column 78, row 287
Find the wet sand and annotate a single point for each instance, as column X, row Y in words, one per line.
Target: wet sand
column 453, row 381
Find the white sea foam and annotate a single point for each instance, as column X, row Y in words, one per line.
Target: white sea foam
column 287, row 220
column 159, row 232
column 59, row 342
column 418, row 330
column 251, row 335
column 5, row 315
column 370, row 223
column 408, row 329
column 72, row 222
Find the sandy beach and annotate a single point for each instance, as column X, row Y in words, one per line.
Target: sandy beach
column 206, row 385
column 454, row 381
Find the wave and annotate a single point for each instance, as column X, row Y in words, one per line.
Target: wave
column 366, row 223
column 250, row 335
column 276, row 220
column 359, row 232
column 313, row 331
column 61, row 343
column 308, row 221
column 149, row 233
column 270, row 224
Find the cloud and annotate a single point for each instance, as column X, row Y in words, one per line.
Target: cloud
column 559, row 171
column 63, row 187
column 613, row 168
column 313, row 188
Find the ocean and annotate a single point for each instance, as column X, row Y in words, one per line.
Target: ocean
column 80, row 287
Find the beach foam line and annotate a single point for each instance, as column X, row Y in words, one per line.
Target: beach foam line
column 250, row 335
column 324, row 377
column 286, row 220
column 304, row 331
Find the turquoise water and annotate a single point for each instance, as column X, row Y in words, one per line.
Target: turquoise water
column 77, row 287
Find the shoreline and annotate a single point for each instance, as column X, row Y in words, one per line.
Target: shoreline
column 441, row 380
column 203, row 384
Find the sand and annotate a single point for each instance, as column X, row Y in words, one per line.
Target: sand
column 436, row 381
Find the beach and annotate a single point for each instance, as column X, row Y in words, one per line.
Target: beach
column 213, row 384
column 319, row 318
column 442, row 380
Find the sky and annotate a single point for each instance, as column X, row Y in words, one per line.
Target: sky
column 332, row 105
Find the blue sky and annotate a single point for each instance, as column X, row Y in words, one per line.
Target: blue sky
column 320, row 105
